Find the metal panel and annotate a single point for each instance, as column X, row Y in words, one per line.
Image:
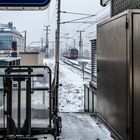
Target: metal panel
column 86, row 100
column 112, row 75
column 91, row 101
column 136, row 75
column 93, row 60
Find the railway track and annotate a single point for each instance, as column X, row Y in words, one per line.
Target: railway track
column 76, row 66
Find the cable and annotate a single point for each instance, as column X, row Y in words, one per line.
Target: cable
column 64, row 12
column 84, row 22
column 78, row 19
column 89, row 26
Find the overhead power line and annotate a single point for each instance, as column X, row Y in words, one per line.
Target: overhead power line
column 84, row 22
column 79, row 19
column 65, row 12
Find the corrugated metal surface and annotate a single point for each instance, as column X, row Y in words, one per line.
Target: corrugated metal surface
column 93, row 59
column 119, row 6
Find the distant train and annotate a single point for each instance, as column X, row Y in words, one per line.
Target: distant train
column 71, row 53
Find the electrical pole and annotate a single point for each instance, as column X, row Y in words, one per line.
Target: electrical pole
column 47, row 42
column 80, row 45
column 56, row 72
column 57, row 51
column 25, row 41
column 42, row 48
column 74, row 42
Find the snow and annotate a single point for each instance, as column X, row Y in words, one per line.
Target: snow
column 81, row 126
column 71, row 93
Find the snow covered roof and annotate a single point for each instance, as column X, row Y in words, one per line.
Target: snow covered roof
column 8, row 28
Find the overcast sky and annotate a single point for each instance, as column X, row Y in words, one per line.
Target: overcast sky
column 33, row 21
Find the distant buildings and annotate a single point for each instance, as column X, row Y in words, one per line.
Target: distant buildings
column 10, row 37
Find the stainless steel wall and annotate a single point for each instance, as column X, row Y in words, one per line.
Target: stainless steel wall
column 136, row 76
column 111, row 85
column 93, row 60
column 118, row 95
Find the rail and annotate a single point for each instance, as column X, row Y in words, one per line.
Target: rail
column 76, row 66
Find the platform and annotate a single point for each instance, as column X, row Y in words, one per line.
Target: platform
column 81, row 126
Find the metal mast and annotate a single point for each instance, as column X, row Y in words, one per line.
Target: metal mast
column 57, row 54
column 47, row 42
column 80, row 45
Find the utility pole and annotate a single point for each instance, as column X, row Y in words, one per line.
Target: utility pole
column 42, row 48
column 56, row 72
column 47, row 42
column 74, row 42
column 57, row 51
column 25, row 41
column 80, row 45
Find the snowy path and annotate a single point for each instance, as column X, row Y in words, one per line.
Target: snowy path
column 71, row 94
column 80, row 126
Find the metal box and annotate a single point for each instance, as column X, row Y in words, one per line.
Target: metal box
column 118, row 83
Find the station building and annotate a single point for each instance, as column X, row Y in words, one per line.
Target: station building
column 8, row 36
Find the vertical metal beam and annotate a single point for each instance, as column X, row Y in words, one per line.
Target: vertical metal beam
column 42, row 44
column 19, row 106
column 50, row 98
column 25, row 42
column 28, row 104
column 47, row 42
column 43, row 97
column 80, row 45
column 74, row 42
column 9, row 105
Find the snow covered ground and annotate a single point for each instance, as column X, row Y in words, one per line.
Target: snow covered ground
column 80, row 126
column 76, row 62
column 71, row 93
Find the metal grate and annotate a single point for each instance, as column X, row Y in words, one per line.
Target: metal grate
column 93, row 59
column 119, row 6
